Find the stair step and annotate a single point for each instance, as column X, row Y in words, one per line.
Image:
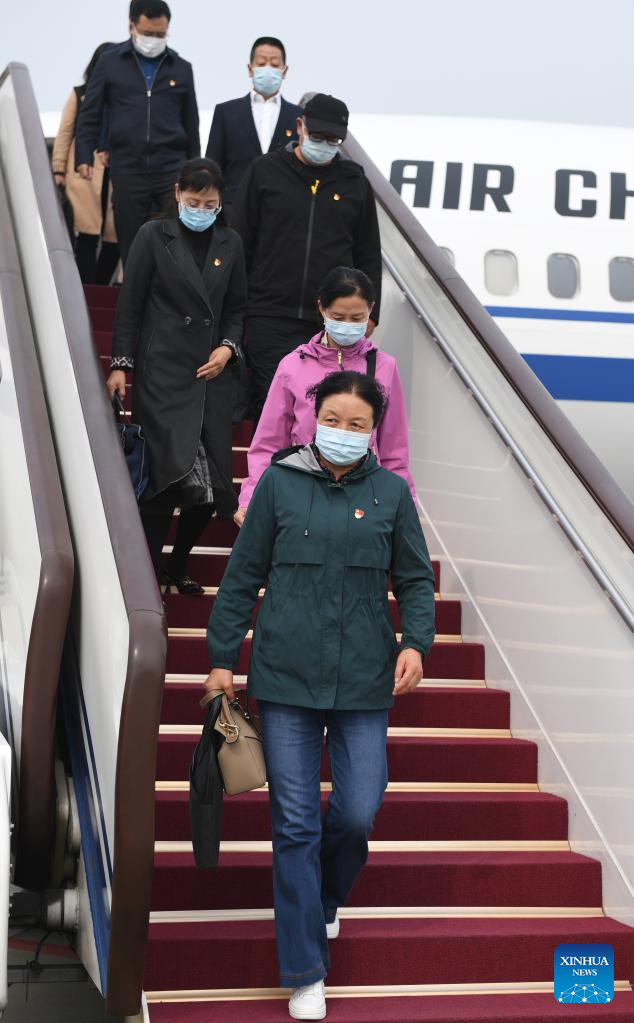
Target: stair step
column 379, row 951
column 409, row 1007
column 409, row 759
column 424, row 708
column 399, row 786
column 102, row 319
column 403, row 816
column 218, row 533
column 197, row 678
column 445, row 660
column 243, row 880
column 102, row 295
column 193, row 612
column 207, row 564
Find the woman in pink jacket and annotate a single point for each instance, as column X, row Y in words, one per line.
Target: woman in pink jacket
column 346, row 298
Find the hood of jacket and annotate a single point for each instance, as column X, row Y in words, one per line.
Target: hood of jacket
column 303, row 459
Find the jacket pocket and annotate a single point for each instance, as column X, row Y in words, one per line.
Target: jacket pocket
column 293, row 553
column 368, row 557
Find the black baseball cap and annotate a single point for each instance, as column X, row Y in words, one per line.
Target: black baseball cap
column 326, row 114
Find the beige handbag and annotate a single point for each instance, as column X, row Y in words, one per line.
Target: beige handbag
column 241, row 756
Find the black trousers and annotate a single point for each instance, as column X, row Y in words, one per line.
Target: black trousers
column 267, row 339
column 95, row 269
column 157, row 519
column 135, row 198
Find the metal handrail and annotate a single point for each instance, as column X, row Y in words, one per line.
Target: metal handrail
column 542, row 489
column 35, row 801
column 147, row 632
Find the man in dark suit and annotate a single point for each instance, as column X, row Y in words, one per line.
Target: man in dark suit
column 261, row 122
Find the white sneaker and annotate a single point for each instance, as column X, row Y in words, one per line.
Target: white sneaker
column 332, row 930
column 308, row 1002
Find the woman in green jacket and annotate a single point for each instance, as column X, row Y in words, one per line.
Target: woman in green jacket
column 329, row 527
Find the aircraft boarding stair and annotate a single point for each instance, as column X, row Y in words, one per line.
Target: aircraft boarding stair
column 471, row 882
column 507, row 827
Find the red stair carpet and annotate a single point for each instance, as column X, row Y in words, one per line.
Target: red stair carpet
column 470, row 883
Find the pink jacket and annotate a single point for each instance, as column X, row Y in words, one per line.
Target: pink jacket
column 288, row 416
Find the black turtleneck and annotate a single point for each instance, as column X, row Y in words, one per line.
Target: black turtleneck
column 198, row 242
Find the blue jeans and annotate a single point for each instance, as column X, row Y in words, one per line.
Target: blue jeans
column 316, row 861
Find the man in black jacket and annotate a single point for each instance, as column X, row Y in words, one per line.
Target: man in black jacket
column 145, row 93
column 301, row 211
column 261, row 122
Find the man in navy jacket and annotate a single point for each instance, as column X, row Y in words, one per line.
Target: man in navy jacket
column 243, row 129
column 145, row 93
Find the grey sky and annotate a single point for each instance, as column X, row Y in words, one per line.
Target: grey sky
column 568, row 60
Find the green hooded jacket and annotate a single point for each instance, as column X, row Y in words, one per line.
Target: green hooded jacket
column 324, row 637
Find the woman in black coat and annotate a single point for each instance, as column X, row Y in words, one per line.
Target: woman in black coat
column 178, row 325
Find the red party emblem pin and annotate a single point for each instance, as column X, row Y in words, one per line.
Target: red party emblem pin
column 359, row 513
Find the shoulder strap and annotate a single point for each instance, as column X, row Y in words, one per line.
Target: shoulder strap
column 371, row 363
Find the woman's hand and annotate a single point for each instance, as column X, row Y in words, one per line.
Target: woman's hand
column 220, row 678
column 217, row 362
column 116, row 382
column 239, row 517
column 60, row 179
column 408, row 673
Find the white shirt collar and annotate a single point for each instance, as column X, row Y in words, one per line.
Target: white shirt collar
column 257, row 97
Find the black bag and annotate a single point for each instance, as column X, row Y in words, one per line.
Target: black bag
column 241, row 387
column 133, row 444
column 205, row 792
column 370, row 361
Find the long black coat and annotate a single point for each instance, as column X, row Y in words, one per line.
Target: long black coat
column 169, row 318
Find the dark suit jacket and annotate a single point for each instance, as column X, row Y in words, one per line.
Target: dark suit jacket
column 233, row 139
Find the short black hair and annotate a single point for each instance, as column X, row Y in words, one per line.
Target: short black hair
column 267, row 41
column 149, row 8
column 195, row 176
column 349, row 382
column 344, row 281
column 200, row 173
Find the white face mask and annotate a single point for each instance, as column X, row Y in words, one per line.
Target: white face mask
column 148, row 46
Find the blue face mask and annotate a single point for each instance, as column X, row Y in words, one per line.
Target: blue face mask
column 267, row 80
column 318, row 152
column 341, row 447
column 196, row 220
column 345, row 333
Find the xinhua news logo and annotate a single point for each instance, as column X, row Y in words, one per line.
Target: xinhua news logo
column 584, row 972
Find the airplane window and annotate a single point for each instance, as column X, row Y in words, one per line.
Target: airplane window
column 500, row 272
column 563, row 275
column 622, row 278
column 448, row 253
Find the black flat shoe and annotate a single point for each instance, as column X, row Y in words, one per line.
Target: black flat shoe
column 185, row 585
